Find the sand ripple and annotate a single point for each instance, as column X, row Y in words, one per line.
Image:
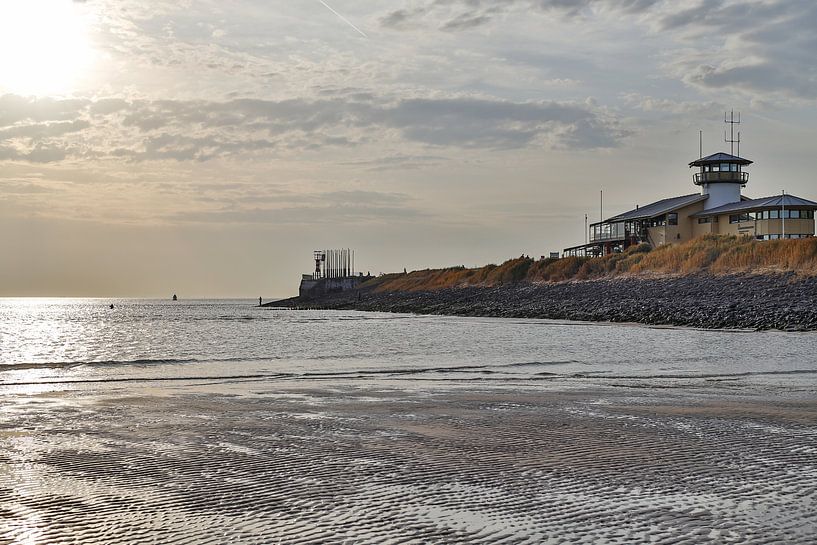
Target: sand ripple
column 351, row 466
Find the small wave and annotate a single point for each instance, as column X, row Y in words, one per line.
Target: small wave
column 99, row 363
column 537, row 363
column 696, row 375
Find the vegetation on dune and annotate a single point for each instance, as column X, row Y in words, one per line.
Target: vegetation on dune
column 710, row 254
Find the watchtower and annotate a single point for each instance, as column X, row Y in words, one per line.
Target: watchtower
column 721, row 178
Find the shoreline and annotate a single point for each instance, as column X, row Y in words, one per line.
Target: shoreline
column 752, row 302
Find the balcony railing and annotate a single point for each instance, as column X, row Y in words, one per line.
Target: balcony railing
column 709, row 177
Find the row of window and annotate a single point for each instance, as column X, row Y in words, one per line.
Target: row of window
column 713, row 219
column 722, row 167
column 775, row 237
column 786, row 214
column 772, row 215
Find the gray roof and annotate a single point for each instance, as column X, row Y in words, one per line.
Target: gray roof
column 657, row 208
column 720, row 157
column 776, row 201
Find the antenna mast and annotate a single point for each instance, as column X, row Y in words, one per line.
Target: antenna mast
column 731, row 140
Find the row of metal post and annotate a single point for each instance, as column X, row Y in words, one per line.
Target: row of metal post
column 339, row 263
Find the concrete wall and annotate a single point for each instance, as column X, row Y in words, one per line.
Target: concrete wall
column 667, row 234
column 764, row 227
column 793, row 227
column 700, row 229
column 312, row 288
column 720, row 194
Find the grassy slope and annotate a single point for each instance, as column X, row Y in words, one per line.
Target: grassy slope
column 709, row 254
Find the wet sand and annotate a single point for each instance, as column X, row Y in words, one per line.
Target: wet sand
column 265, row 462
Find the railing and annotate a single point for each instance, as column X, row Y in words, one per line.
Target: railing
column 708, row 177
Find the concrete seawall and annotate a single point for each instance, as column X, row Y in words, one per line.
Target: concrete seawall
column 311, row 287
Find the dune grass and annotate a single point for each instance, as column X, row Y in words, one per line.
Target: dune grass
column 710, row 254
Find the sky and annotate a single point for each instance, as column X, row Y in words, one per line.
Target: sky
column 206, row 148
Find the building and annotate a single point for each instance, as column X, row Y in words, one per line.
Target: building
column 334, row 272
column 718, row 208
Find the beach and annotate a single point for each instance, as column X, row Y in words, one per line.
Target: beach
column 221, row 422
column 256, row 462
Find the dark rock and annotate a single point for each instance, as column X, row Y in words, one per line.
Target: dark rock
column 773, row 301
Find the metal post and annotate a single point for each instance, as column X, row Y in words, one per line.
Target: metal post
column 585, row 229
column 601, row 205
column 783, row 214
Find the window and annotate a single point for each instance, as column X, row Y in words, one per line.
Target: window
column 672, row 218
column 774, row 214
column 737, row 218
column 704, row 220
column 764, row 215
column 658, row 221
column 733, row 167
column 725, row 167
column 794, row 214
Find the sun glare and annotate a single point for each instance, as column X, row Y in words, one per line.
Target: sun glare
column 44, row 46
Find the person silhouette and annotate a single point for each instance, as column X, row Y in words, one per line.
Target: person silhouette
column 259, row 301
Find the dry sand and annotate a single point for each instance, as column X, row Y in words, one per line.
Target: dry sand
column 258, row 462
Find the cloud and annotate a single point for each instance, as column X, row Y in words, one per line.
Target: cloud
column 760, row 49
column 690, row 109
column 399, row 162
column 24, row 187
column 458, row 15
column 333, row 208
column 47, row 130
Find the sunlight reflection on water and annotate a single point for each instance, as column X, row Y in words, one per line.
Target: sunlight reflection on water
column 53, row 340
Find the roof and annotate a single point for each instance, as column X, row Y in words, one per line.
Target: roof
column 720, row 157
column 657, row 208
column 776, row 201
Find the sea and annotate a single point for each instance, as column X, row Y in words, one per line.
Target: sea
column 59, row 341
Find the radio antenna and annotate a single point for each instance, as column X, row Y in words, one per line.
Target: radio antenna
column 731, row 140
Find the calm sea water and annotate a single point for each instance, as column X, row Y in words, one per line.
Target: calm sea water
column 62, row 340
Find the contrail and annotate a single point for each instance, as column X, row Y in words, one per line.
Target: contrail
column 342, row 18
